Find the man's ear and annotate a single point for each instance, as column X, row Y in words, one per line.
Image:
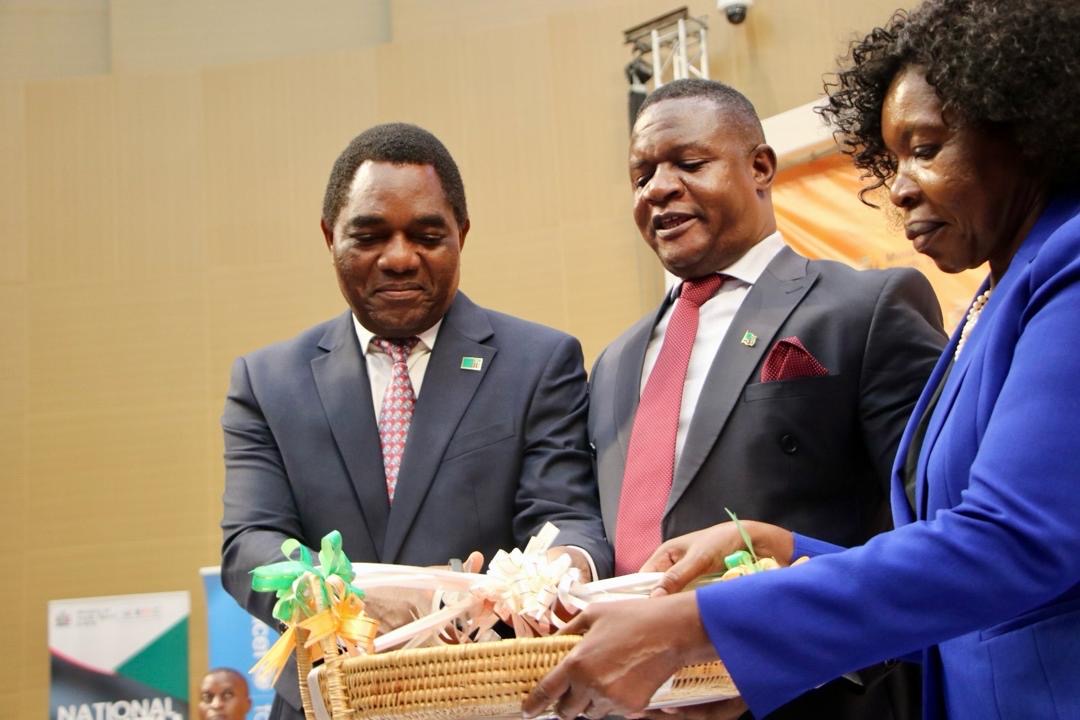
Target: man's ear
column 462, row 231
column 763, row 166
column 328, row 234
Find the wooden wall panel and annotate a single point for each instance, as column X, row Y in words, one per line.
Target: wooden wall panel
column 119, row 345
column 273, row 131
column 160, row 36
column 509, row 130
column 252, row 307
column 160, row 218
column 612, row 280
column 519, row 272
column 71, row 160
column 429, row 88
column 53, row 38
column 13, row 476
column 778, row 55
column 13, row 242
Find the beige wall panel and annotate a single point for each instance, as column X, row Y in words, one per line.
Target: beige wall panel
column 612, row 280
column 253, row 309
column 521, row 273
column 13, row 482
column 425, row 84
column 273, row 131
column 160, row 223
column 509, row 136
column 590, row 116
column 13, row 244
column 53, row 38
column 779, row 54
column 415, row 19
column 154, row 36
column 13, row 360
column 116, row 477
column 136, row 346
column 71, row 161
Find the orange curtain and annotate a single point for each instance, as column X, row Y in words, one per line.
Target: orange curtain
column 818, row 211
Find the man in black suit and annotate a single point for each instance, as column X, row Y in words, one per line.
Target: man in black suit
column 765, row 383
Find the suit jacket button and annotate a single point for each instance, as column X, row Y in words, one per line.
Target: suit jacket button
column 789, row 444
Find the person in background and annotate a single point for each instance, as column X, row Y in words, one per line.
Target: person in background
column 223, row 695
column 966, row 113
column 765, row 383
column 421, row 426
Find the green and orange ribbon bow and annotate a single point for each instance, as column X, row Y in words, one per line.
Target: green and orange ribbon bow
column 318, row 598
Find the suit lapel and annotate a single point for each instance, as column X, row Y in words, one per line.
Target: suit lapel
column 626, row 396
column 777, row 292
column 345, row 392
column 444, row 397
column 628, row 379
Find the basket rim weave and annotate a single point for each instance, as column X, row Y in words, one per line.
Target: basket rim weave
column 453, row 682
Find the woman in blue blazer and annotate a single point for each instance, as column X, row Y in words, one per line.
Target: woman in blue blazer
column 968, row 113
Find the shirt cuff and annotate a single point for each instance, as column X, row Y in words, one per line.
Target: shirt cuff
column 588, row 559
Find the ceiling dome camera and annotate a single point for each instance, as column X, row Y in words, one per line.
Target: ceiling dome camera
column 735, row 10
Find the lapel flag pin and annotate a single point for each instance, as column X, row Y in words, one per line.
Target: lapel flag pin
column 472, row 363
column 749, row 339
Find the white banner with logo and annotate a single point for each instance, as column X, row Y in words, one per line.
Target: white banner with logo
column 123, row 657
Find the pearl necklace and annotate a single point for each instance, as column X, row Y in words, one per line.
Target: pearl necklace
column 972, row 318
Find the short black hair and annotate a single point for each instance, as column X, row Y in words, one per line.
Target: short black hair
column 232, row 672
column 401, row 144
column 1009, row 64
column 726, row 98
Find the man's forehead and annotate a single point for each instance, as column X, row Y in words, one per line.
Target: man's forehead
column 671, row 136
column 686, row 124
column 222, row 678
column 381, row 175
column 377, row 186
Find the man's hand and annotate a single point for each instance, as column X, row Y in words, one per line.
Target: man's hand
column 630, row 648
column 690, row 556
column 578, row 559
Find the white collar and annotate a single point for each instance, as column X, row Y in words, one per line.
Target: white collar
column 427, row 338
column 748, row 268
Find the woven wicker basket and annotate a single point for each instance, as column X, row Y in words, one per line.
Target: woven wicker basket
column 453, row 682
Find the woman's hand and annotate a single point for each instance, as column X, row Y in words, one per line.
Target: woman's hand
column 628, row 650
column 685, row 558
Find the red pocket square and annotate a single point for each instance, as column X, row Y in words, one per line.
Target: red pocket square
column 789, row 359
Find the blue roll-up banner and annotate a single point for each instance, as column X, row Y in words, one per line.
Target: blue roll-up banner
column 237, row 640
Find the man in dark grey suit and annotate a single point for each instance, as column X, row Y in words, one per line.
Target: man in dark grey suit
column 420, row 425
column 798, row 375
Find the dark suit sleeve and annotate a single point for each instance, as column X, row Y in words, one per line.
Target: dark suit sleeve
column 260, row 512
column 557, row 483
column 902, row 346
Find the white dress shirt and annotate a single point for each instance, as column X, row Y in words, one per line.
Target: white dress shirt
column 380, row 365
column 714, row 320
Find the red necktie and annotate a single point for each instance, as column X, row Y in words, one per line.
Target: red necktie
column 650, row 458
column 396, row 413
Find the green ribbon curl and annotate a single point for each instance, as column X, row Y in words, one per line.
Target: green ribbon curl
column 281, row 577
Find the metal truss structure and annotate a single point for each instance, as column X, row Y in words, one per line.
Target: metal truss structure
column 668, row 47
